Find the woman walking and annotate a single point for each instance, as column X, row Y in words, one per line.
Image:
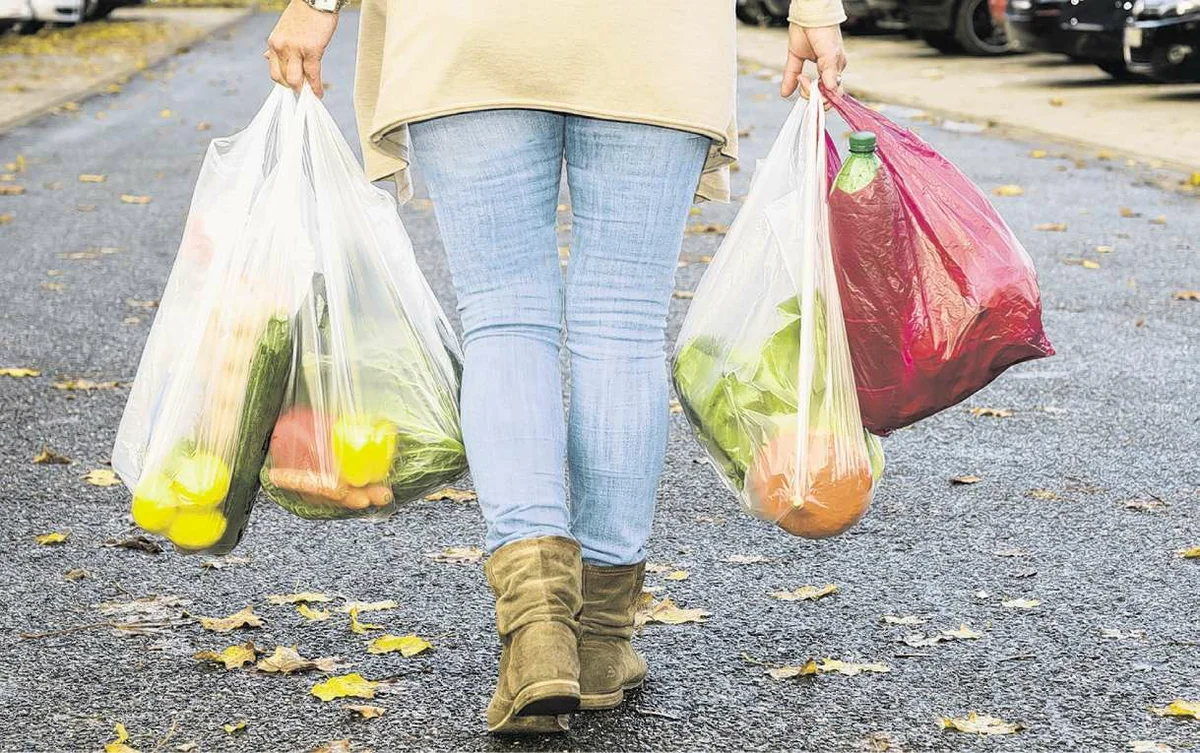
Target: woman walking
column 490, row 99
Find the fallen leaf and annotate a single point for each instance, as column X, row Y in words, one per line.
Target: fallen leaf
column 963, row 480
column 313, row 615
column 50, row 457
column 54, row 286
column 286, row 660
column 705, row 228
column 683, row 294
column 980, row 724
column 790, row 671
column 118, row 745
column 658, row 568
column 233, row 657
column 909, row 619
column 302, row 597
column 1186, row 295
column 1104, row 154
column 84, row 384
column 243, row 618
column 1021, row 603
column 668, row 612
column 334, row 746
column 1104, row 249
column 76, row 573
column 1149, row 746
column 1051, row 227
column 1089, row 264
column 1044, row 494
column 18, row 372
column 91, row 178
column 366, row 711
column 1127, row 212
column 234, row 727
column 7, row 190
column 361, row 628
column 1191, row 553
column 805, row 593
column 747, row 559
column 962, row 633
column 101, row 477
column 367, row 606
column 187, row 747
column 137, row 543
column 407, row 645
column 203, row 125
column 165, row 113
column 1159, row 220
column 352, row 685
column 1113, row 634
column 991, row 412
column 5, row 219
column 677, row 575
column 1179, row 707
column 1057, row 102
column 453, row 495
column 1143, row 505
column 826, row 666
column 141, row 304
column 128, row 198
column 1008, row 190
column 920, row 640
column 674, row 407
column 457, row 555
column 223, row 562
column 52, row 538
column 1038, row 154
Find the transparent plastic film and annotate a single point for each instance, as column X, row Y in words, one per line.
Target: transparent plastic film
column 762, row 365
column 370, row 416
column 210, row 381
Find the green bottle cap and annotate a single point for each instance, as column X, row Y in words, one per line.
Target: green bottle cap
column 862, row 142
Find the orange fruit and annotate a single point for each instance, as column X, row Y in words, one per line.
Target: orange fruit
column 837, row 497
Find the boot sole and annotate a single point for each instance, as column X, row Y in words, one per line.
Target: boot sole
column 548, row 698
column 603, row 701
column 532, row 725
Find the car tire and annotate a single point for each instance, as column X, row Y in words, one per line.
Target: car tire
column 751, row 12
column 942, row 41
column 25, row 28
column 777, row 10
column 977, row 32
column 1118, row 71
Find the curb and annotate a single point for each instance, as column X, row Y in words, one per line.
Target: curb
column 100, row 86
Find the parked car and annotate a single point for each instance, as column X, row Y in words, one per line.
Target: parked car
column 958, row 25
column 1093, row 30
column 1034, row 24
column 13, row 13
column 60, row 11
column 762, row 12
column 1162, row 40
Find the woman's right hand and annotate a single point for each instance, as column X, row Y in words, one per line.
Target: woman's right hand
column 297, row 43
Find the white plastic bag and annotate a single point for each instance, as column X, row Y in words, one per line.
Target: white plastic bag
column 281, row 219
column 762, row 364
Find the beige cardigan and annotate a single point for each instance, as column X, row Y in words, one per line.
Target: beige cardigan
column 665, row 62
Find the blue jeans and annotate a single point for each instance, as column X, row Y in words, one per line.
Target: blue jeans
column 494, row 178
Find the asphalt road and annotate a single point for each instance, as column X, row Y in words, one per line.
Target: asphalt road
column 1111, row 418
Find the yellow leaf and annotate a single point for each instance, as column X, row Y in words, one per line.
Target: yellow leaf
column 1057, row 102
column 352, row 685
column 677, row 575
column 128, row 198
column 91, row 178
column 84, row 384
column 286, row 660
column 366, row 711
column 303, row 597
column 19, row 372
column 118, row 745
column 313, row 615
column 234, row 727
column 5, row 219
column 1159, row 220
column 55, row 286
column 1008, row 190
column 964, row 480
column 790, row 671
column 101, row 477
column 457, row 555
column 992, row 412
column 849, row 668
column 452, row 494
column 1104, row 154
column 407, row 645
column 1051, row 227
column 805, row 593
column 52, row 538
column 1045, row 494
column 1021, row 603
column 1127, row 212
column 1089, row 264
column 164, row 113
column 243, row 618
column 980, row 724
column 1104, row 249
column 7, row 190
column 50, row 457
column 668, row 613
column 233, row 657
column 1038, row 153
column 367, row 606
column 1191, row 553
column 361, row 627
column 1178, row 295
column 910, row 619
column 1179, row 707
column 963, row 633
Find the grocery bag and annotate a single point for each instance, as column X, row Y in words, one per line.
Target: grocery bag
column 211, row 378
column 939, row 296
column 370, row 410
column 762, row 364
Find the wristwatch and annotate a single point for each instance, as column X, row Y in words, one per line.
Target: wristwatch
column 326, row 6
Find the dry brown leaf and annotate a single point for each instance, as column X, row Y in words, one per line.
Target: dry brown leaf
column 677, row 575
column 137, row 543
column 53, row 286
column 128, row 198
column 303, row 597
column 1008, row 190
column 50, row 457
column 5, row 219
column 1159, row 220
column 1051, row 227
column 1149, row 746
column 453, row 495
column 668, row 612
column 92, row 178
column 76, row 573
column 232, row 657
column 805, row 593
column 84, row 384
column 101, row 477
column 908, row 619
column 1044, row 494
column 141, row 304
column 203, row 125
column 962, row 633
column 1179, row 707
column 964, row 480
column 1186, row 295
column 658, row 568
column 11, row 190
column 1127, row 212
column 702, row 228
column 673, row 406
column 334, row 746
column 683, row 294
column 1104, row 249
column 980, row 724
column 52, row 538
column 1057, row 102
column 352, row 685
column 366, row 711
column 286, row 660
column 992, row 412
column 407, row 645
column 457, row 555
column 1143, row 505
column 19, row 372
column 243, row 618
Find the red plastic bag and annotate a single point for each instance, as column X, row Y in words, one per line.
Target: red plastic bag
column 938, row 295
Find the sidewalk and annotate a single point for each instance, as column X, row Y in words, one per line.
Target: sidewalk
column 1031, row 96
column 54, row 69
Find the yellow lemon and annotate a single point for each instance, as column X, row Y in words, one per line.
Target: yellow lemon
column 154, row 503
column 196, row 528
column 202, row 479
column 363, row 449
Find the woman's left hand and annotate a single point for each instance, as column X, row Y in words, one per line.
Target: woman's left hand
column 820, row 44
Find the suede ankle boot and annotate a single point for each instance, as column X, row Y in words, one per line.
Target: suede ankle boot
column 608, row 665
column 538, row 598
